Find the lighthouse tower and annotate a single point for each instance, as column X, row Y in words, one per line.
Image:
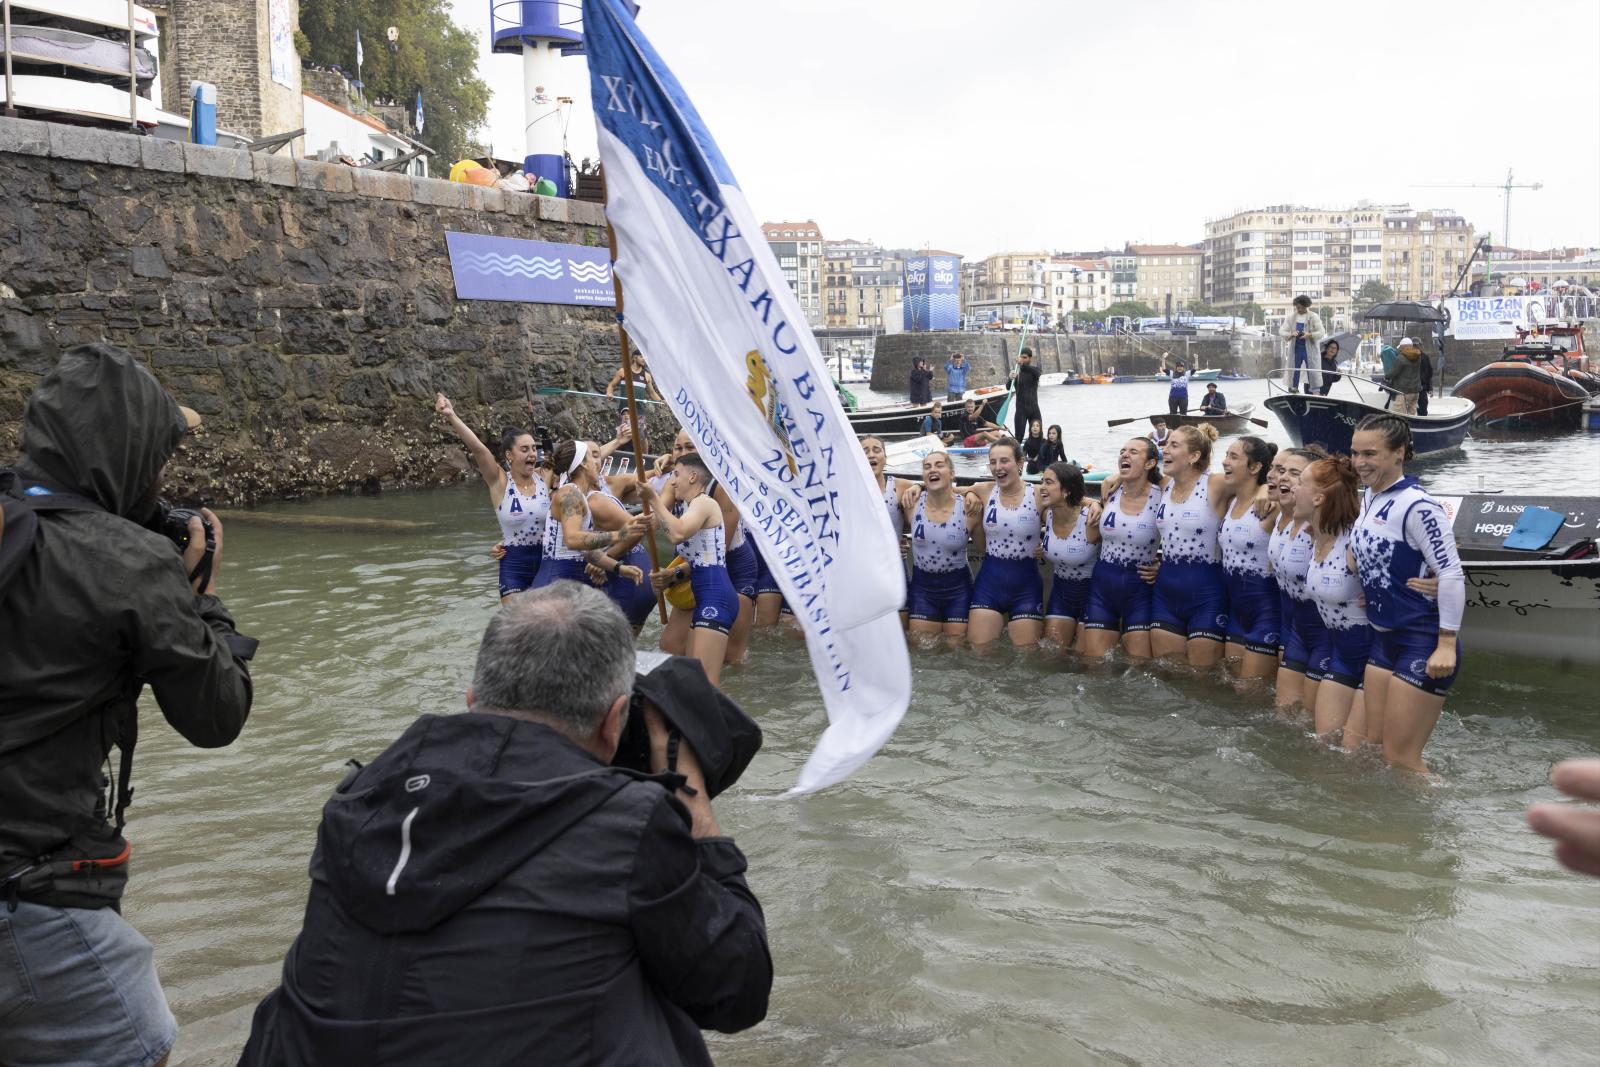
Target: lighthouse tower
column 542, row 32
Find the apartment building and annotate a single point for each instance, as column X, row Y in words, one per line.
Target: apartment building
column 1164, row 273
column 1074, row 285
column 1424, row 252
column 798, row 247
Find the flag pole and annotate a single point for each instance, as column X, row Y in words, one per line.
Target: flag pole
column 627, row 378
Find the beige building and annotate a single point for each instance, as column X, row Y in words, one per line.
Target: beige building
column 1076, row 285
column 1163, row 272
column 1424, row 252
column 1271, row 255
column 798, row 248
column 1007, row 276
column 860, row 283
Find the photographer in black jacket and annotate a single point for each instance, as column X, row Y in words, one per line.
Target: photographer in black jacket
column 93, row 607
column 492, row 890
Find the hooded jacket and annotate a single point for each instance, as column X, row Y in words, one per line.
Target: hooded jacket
column 100, row 608
column 487, row 892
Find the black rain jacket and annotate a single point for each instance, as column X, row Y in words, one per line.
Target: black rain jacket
column 99, row 609
column 487, row 892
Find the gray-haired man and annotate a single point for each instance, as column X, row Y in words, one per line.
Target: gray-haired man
column 490, row 890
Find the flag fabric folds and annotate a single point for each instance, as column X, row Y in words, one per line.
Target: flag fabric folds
column 419, row 115
column 730, row 349
column 359, row 56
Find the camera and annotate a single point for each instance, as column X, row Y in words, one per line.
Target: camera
column 173, row 524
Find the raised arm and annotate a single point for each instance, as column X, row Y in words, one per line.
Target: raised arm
column 494, row 475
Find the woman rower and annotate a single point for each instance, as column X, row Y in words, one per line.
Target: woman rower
column 743, row 561
column 1300, row 626
column 694, row 523
column 519, row 493
column 1008, row 582
column 1119, row 588
column 942, row 523
column 1071, row 544
column 872, row 447
column 1401, row 534
column 1189, row 612
column 571, row 542
column 1253, row 621
column 1328, row 499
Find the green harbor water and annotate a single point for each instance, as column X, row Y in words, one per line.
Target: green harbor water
column 1050, row 862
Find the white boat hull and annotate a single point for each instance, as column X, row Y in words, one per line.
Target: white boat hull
column 1534, row 609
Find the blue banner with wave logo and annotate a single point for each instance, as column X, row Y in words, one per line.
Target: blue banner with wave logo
column 529, row 272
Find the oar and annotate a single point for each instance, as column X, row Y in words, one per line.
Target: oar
column 550, row 390
column 1136, row 418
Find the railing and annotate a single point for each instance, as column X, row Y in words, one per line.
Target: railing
column 1377, row 394
column 560, row 15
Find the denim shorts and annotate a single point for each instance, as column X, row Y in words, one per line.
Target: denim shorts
column 78, row 988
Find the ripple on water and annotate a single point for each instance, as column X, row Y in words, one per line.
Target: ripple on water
column 1051, row 862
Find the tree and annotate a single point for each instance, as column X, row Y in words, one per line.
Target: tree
column 1373, row 292
column 432, row 54
column 1251, row 312
column 1134, row 309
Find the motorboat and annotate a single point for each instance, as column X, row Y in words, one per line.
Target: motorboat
column 1542, row 604
column 1330, row 421
column 906, row 419
column 1533, row 385
column 1205, row 375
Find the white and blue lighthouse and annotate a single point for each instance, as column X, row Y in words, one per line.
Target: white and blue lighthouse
column 542, row 32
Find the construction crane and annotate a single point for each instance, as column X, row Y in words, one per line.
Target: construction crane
column 1505, row 187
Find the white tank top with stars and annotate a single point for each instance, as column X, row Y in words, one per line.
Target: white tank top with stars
column 1011, row 533
column 522, row 515
column 1189, row 529
column 555, row 544
column 939, row 547
column 1074, row 555
column 1129, row 540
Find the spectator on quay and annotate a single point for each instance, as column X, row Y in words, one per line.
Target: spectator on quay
column 955, row 377
column 920, row 385
column 492, row 889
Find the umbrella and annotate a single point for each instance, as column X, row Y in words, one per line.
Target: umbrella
column 1407, row 311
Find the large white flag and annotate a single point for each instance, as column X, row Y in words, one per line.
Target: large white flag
column 730, row 349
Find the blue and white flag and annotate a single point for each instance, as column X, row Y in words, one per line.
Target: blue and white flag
column 419, row 111
column 730, row 350
column 358, row 50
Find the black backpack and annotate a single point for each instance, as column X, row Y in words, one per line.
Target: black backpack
column 19, row 519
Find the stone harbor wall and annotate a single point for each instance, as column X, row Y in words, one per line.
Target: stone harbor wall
column 991, row 355
column 306, row 310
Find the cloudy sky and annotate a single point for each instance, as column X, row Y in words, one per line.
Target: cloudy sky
column 1012, row 124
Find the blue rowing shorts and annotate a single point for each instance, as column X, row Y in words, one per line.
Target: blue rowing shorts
column 1191, row 600
column 940, row 596
column 716, row 605
column 1253, row 612
column 1405, row 655
column 519, row 567
column 1302, row 637
column 1118, row 599
column 1068, row 598
column 1342, row 656
column 1010, row 586
column 743, row 568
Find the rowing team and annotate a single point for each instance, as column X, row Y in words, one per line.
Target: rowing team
column 564, row 519
column 1349, row 600
column 1335, row 576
